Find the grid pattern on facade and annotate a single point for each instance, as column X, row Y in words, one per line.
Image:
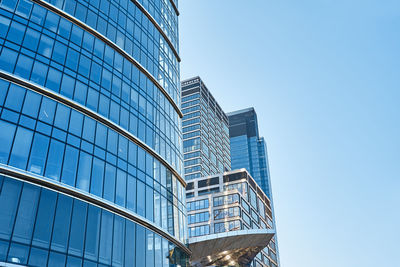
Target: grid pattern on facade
column 205, row 132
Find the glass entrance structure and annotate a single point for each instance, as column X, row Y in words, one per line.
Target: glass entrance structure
column 90, row 138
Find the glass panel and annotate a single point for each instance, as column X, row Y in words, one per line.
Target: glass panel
column 121, row 188
column 92, row 233
column 70, row 164
column 20, row 150
column 140, row 248
column 6, row 138
column 26, row 214
column 56, row 259
column 130, row 244
column 38, row 257
column 84, row 169
column 96, row 186
column 77, row 228
column 62, row 223
column 18, row 253
column 109, row 183
column 38, row 154
column 106, row 237
column 149, row 203
column 118, row 244
column 131, row 195
column 45, row 217
column 56, row 153
column 141, row 198
column 9, row 198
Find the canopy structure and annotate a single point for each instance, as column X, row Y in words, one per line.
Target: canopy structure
column 235, row 248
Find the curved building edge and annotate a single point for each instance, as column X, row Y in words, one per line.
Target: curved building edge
column 114, row 46
column 84, row 110
column 34, row 179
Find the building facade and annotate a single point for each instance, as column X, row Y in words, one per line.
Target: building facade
column 91, row 159
column 227, row 202
column 249, row 151
column 205, row 131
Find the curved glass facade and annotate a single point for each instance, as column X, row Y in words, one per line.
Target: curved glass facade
column 95, row 120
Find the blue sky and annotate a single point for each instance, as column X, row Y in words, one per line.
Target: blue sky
column 324, row 78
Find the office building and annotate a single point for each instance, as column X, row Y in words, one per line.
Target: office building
column 230, row 203
column 90, row 136
column 205, row 132
column 249, row 150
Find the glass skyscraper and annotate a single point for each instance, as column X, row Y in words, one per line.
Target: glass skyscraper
column 249, row 151
column 90, row 138
column 205, row 131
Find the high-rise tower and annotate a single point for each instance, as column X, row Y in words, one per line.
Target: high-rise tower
column 249, row 151
column 90, row 138
column 205, row 131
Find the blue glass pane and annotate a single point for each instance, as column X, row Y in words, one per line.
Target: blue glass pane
column 149, row 248
column 20, row 150
column 45, row 218
column 26, row 214
column 106, row 237
column 15, row 97
column 9, row 198
column 56, row 153
column 77, row 228
column 92, row 233
column 70, row 164
column 31, row 104
column 62, row 117
column 38, row 154
column 62, row 223
column 121, row 188
column 141, row 192
column 3, row 250
column 96, row 186
column 130, row 234
column 149, row 203
column 118, row 242
column 47, row 110
column 109, row 183
column 74, row 261
column 140, row 248
column 6, row 139
column 38, row 257
column 131, row 193
column 18, row 253
column 84, row 169
column 56, row 259
column 24, row 66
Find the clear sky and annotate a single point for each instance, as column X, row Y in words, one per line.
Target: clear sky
column 324, row 78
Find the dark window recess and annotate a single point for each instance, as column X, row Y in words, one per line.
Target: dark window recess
column 260, row 193
column 204, row 96
column 252, row 183
column 190, row 86
column 189, row 92
column 234, row 177
column 208, row 191
column 208, row 182
column 190, row 186
column 188, row 195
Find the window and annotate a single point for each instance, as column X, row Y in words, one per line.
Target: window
column 226, row 200
column 198, row 217
column 227, row 226
column 226, row 213
column 199, row 230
